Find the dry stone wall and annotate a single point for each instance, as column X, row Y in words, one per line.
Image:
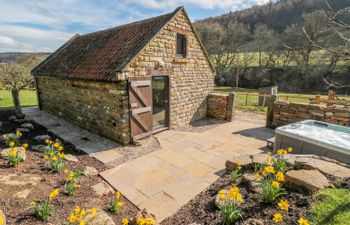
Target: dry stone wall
column 221, row 106
column 96, row 106
column 286, row 113
column 191, row 78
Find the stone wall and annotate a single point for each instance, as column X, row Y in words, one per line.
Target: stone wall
column 221, row 106
column 286, row 113
column 96, row 106
column 191, row 78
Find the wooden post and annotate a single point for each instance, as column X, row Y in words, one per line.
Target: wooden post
column 317, row 99
column 264, row 101
column 287, row 98
column 231, row 105
column 246, row 98
column 16, row 102
column 269, row 115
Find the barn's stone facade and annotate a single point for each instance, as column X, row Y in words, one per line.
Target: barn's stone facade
column 191, row 78
column 103, row 107
column 100, row 107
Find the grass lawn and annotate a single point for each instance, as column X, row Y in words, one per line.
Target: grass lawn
column 27, row 98
column 252, row 104
column 332, row 207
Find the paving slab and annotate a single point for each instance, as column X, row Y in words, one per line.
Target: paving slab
column 165, row 180
column 107, row 156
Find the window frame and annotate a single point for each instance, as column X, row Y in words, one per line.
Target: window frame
column 183, row 47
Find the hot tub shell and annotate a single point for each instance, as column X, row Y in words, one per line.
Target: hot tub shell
column 307, row 145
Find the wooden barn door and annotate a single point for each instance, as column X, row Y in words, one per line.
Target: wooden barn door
column 140, row 98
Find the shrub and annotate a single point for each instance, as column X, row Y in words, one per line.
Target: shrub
column 115, row 204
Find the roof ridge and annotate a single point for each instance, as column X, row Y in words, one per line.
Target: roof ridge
column 170, row 14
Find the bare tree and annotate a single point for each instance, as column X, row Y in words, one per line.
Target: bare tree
column 16, row 75
column 263, row 37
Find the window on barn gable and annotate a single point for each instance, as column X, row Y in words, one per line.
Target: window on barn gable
column 181, row 46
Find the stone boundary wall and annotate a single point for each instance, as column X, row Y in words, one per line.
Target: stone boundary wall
column 221, row 106
column 285, row 113
column 100, row 107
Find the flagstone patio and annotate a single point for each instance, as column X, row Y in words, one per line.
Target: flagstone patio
column 187, row 164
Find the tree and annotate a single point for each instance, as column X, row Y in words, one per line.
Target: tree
column 15, row 75
column 263, row 36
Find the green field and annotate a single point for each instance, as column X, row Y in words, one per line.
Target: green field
column 252, row 103
column 27, row 98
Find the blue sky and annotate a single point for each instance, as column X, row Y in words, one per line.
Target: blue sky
column 44, row 25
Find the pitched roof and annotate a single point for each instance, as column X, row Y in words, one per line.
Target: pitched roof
column 99, row 55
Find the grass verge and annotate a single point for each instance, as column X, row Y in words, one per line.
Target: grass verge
column 27, row 98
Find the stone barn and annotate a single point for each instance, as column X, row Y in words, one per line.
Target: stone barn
column 130, row 81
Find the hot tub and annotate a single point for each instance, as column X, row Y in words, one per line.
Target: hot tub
column 315, row 137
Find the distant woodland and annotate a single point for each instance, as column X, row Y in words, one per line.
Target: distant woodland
column 299, row 45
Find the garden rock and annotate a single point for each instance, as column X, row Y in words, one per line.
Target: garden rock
column 71, row 158
column 42, row 138
column 100, row 218
column 27, row 125
column 21, row 150
column 20, row 120
column 22, row 194
column 254, row 222
column 260, row 158
column 38, row 148
column 15, row 180
column 308, row 180
column 3, row 217
column 90, row 171
column 252, row 182
column 244, row 160
column 12, row 118
column 329, row 168
column 102, row 188
column 23, row 130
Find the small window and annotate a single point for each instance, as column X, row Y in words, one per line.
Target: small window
column 181, row 46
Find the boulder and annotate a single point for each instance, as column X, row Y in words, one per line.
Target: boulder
column 21, row 150
column 71, row 158
column 252, row 182
column 308, row 180
column 102, row 188
column 27, row 125
column 39, row 148
column 20, row 120
column 23, row 130
column 2, row 218
column 244, row 160
column 90, row 171
column 42, row 138
column 100, row 218
column 19, row 180
column 12, row 118
column 326, row 167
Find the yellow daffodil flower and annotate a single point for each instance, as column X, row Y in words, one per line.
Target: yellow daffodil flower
column 276, row 184
column 93, row 211
column 279, row 151
column 239, row 166
column 277, row 217
column 289, row 149
column 125, row 221
column 25, row 145
column 12, row 144
column 283, row 205
column 280, row 177
column 117, row 195
column 82, row 222
column 303, row 221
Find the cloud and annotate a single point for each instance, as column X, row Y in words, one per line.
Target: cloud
column 7, row 41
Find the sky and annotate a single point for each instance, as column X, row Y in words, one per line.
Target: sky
column 44, row 25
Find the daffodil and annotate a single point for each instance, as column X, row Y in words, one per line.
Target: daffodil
column 66, row 171
column 280, row 177
column 82, row 222
column 303, row 221
column 47, row 141
column 77, row 210
column 269, row 169
column 25, row 145
column 117, row 195
column 93, row 211
column 279, row 151
column 125, row 221
column 276, row 184
column 283, row 205
column 257, row 176
column 12, row 144
column 277, row 217
column 289, row 149
column 53, row 194
column 239, row 166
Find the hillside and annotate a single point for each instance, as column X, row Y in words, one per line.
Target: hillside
column 276, row 16
column 6, row 57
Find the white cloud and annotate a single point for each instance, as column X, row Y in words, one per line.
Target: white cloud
column 7, row 41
